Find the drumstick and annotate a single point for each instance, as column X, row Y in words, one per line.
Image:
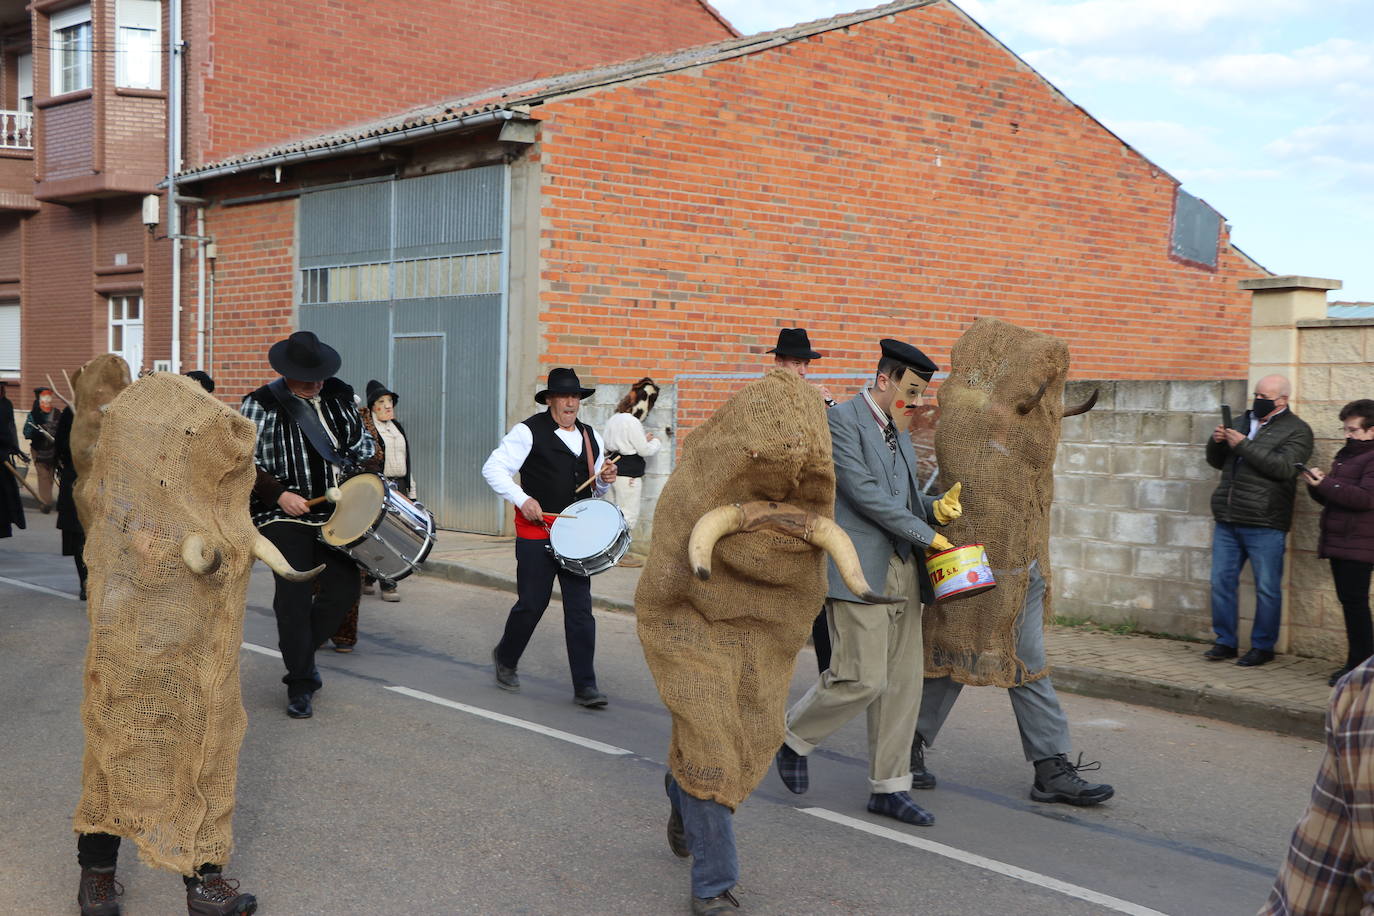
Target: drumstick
column 556, row 515
column 333, row 495
column 591, row 480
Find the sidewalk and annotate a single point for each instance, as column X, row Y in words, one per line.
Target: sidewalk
column 1287, row 695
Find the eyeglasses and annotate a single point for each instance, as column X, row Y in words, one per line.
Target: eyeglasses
column 1352, row 430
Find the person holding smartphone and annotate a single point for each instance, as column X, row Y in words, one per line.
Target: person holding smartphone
column 1346, row 494
column 1253, row 509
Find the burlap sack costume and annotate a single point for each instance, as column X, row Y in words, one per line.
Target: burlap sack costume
column 1005, row 459
column 162, row 712
column 94, row 386
column 722, row 651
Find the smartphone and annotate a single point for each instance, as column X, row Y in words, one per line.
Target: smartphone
column 1226, row 416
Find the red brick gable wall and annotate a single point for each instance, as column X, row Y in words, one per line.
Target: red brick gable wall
column 898, row 178
column 278, row 72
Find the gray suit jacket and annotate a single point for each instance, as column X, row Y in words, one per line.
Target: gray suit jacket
column 870, row 507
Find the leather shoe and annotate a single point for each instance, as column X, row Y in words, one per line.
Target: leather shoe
column 591, row 698
column 714, row 906
column 299, row 707
column 1254, row 658
column 1218, row 652
column 506, row 678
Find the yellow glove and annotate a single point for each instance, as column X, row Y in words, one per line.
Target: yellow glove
column 940, row 543
column 947, row 507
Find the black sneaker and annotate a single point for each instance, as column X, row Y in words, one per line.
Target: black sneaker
column 713, row 906
column 506, row 678
column 921, row 778
column 1219, row 652
column 591, row 698
column 98, row 893
column 1057, row 780
column 213, row 895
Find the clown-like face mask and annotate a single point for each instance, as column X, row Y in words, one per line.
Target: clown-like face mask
column 909, row 389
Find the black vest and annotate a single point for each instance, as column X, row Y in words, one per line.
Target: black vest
column 551, row 472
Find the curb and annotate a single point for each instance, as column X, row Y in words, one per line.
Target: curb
column 1210, row 703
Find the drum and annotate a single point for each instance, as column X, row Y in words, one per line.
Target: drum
column 960, row 572
column 387, row 534
column 593, row 541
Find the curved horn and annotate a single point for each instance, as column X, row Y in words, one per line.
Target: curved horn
column 266, row 551
column 1029, row 403
column 1082, row 408
column 193, row 555
column 831, row 538
column 710, row 528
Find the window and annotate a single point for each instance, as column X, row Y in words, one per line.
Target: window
column 24, row 81
column 9, row 339
column 138, row 63
column 71, row 49
column 1197, row 230
column 126, row 330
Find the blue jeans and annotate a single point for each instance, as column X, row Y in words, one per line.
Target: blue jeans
column 710, row 828
column 1232, row 545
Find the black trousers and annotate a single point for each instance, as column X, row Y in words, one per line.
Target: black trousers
column 535, row 570
column 101, row 850
column 306, row 620
column 1352, row 589
column 820, row 638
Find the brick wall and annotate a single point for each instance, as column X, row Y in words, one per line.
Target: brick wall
column 275, row 75
column 900, row 177
column 68, row 139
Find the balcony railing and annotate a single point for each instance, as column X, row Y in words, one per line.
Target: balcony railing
column 16, row 129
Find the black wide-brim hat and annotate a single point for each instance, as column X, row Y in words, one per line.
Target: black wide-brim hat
column 793, row 342
column 563, row 381
column 304, row 357
column 376, row 389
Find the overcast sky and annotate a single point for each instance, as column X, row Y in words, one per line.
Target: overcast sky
column 1263, row 108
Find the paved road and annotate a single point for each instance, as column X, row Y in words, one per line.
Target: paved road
column 389, row 802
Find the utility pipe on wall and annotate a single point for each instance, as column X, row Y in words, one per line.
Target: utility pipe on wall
column 200, row 291
column 174, row 117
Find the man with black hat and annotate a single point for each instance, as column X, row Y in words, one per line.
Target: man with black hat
column 554, row 453
column 876, row 661
column 793, row 352
column 309, row 434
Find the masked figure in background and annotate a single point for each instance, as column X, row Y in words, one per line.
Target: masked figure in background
column 11, row 509
column 726, row 601
column 998, row 432
column 875, row 664
column 169, row 544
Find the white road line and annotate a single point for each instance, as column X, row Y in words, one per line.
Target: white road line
column 511, row 720
column 262, row 650
column 1001, row 868
column 39, row 588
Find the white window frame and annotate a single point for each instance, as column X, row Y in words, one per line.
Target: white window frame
column 23, row 81
column 138, row 31
column 11, row 318
column 70, row 60
column 120, row 319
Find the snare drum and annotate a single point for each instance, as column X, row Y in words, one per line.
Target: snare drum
column 593, row 541
column 387, row 534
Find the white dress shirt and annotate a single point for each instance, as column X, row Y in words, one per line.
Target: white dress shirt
column 505, row 461
column 625, row 434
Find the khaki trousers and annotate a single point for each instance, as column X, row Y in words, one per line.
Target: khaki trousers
column 875, row 667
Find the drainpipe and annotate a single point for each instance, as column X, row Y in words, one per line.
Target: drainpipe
column 174, row 107
column 200, row 290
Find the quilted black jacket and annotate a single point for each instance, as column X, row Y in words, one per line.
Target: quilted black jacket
column 1258, row 477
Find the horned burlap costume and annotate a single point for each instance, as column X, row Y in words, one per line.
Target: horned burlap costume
column 162, row 711
column 1005, row 460
column 722, row 651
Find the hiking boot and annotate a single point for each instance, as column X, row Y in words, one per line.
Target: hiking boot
column 677, row 834
column 213, row 895
column 921, row 778
column 711, row 906
column 900, row 806
column 98, row 893
column 792, row 769
column 1057, row 780
column 506, row 678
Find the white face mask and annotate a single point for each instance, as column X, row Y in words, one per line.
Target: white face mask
column 907, row 400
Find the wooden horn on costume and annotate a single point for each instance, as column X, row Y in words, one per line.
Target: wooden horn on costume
column 1029, row 403
column 267, row 552
column 193, row 555
column 784, row 519
column 1082, row 408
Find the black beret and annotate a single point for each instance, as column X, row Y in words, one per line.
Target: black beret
column 908, row 355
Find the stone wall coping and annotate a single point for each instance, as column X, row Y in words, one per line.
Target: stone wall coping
column 1290, row 282
column 1335, row 323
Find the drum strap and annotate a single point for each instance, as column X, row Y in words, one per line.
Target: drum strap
column 308, row 421
column 587, row 451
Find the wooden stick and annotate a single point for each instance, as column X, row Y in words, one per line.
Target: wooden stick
column 70, row 389
column 591, row 480
column 20, row 477
column 332, row 495
column 53, row 388
column 556, row 515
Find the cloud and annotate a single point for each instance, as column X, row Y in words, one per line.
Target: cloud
column 1339, row 156
column 1218, row 176
column 1092, row 22
column 1332, row 63
column 1169, row 141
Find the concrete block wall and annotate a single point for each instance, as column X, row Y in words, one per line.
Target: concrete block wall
column 1131, row 526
